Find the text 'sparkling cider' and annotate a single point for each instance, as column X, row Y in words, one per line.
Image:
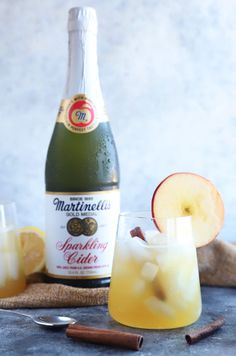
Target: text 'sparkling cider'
column 82, row 171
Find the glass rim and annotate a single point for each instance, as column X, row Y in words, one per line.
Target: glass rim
column 8, row 214
column 147, row 215
column 178, row 230
column 6, row 203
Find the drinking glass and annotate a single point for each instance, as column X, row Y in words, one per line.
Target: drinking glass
column 12, row 278
column 155, row 280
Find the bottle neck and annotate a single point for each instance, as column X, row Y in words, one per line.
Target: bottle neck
column 83, row 76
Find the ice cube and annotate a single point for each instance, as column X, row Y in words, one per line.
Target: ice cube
column 182, row 297
column 122, row 261
column 172, row 257
column 13, row 265
column 163, row 259
column 150, row 235
column 191, row 287
column 153, row 237
column 183, row 285
column 138, row 286
column 156, row 305
column 139, row 249
column 2, row 269
column 122, row 251
column 149, row 271
column 4, row 238
column 11, row 239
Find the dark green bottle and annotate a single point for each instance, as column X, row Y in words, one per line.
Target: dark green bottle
column 82, row 170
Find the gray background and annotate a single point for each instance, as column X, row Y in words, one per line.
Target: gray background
column 168, row 73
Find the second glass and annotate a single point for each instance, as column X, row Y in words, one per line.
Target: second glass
column 155, row 283
column 12, row 278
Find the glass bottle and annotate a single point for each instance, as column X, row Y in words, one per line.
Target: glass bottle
column 82, row 170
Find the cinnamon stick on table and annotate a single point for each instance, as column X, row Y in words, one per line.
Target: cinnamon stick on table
column 204, row 332
column 105, row 336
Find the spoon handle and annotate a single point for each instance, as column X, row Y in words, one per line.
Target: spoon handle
column 16, row 312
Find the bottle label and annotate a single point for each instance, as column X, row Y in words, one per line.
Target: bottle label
column 81, row 229
column 79, row 114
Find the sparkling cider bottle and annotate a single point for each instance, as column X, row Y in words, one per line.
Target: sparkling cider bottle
column 82, row 171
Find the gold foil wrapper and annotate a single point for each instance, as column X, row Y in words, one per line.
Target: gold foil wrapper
column 80, row 115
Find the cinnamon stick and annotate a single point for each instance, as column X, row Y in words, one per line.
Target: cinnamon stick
column 137, row 232
column 105, row 336
column 204, row 332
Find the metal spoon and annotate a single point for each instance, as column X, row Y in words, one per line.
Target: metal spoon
column 46, row 320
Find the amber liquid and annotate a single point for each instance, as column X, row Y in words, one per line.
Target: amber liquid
column 12, row 287
column 156, row 289
column 12, row 278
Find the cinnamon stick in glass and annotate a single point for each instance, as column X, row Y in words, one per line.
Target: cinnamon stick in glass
column 105, row 336
column 204, row 332
column 137, row 232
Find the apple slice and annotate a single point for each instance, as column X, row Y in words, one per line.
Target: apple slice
column 183, row 194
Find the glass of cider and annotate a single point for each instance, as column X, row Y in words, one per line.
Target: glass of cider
column 155, row 279
column 12, row 278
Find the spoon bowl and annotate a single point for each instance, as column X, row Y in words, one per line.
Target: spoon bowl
column 54, row 321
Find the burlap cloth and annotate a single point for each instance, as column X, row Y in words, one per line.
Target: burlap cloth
column 217, row 266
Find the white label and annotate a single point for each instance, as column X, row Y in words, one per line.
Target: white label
column 81, row 230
